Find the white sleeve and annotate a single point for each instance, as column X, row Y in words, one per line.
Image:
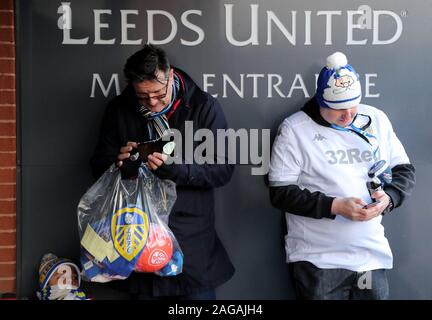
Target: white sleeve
column 397, row 154
column 285, row 162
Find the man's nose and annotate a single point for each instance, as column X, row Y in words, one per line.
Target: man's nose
column 152, row 101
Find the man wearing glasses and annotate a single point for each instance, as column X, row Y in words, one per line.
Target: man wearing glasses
column 321, row 163
column 159, row 97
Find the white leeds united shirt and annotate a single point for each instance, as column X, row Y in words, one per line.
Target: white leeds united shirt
column 336, row 163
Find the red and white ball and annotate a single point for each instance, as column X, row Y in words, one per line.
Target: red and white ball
column 157, row 251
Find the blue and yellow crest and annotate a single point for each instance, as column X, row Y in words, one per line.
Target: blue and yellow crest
column 129, row 231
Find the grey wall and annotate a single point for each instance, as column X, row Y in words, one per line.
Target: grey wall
column 59, row 121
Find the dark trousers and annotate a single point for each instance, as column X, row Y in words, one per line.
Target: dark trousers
column 139, row 286
column 202, row 295
column 313, row 283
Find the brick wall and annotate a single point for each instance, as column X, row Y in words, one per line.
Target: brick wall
column 7, row 149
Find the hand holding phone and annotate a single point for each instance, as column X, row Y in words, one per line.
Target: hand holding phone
column 371, row 205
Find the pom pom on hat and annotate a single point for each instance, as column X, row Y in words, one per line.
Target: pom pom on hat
column 338, row 84
column 336, row 61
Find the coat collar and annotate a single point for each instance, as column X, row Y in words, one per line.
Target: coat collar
column 311, row 108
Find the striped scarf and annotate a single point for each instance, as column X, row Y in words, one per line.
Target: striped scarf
column 157, row 122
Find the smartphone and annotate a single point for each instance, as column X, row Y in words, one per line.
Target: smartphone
column 372, row 204
column 148, row 147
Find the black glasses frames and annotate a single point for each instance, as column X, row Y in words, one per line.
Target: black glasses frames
column 158, row 97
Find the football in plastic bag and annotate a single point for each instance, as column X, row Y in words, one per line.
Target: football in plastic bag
column 157, row 251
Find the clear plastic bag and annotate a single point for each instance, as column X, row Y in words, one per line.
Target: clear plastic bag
column 123, row 226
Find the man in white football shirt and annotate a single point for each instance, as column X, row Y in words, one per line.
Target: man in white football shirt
column 335, row 246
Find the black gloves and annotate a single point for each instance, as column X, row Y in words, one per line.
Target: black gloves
column 166, row 171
